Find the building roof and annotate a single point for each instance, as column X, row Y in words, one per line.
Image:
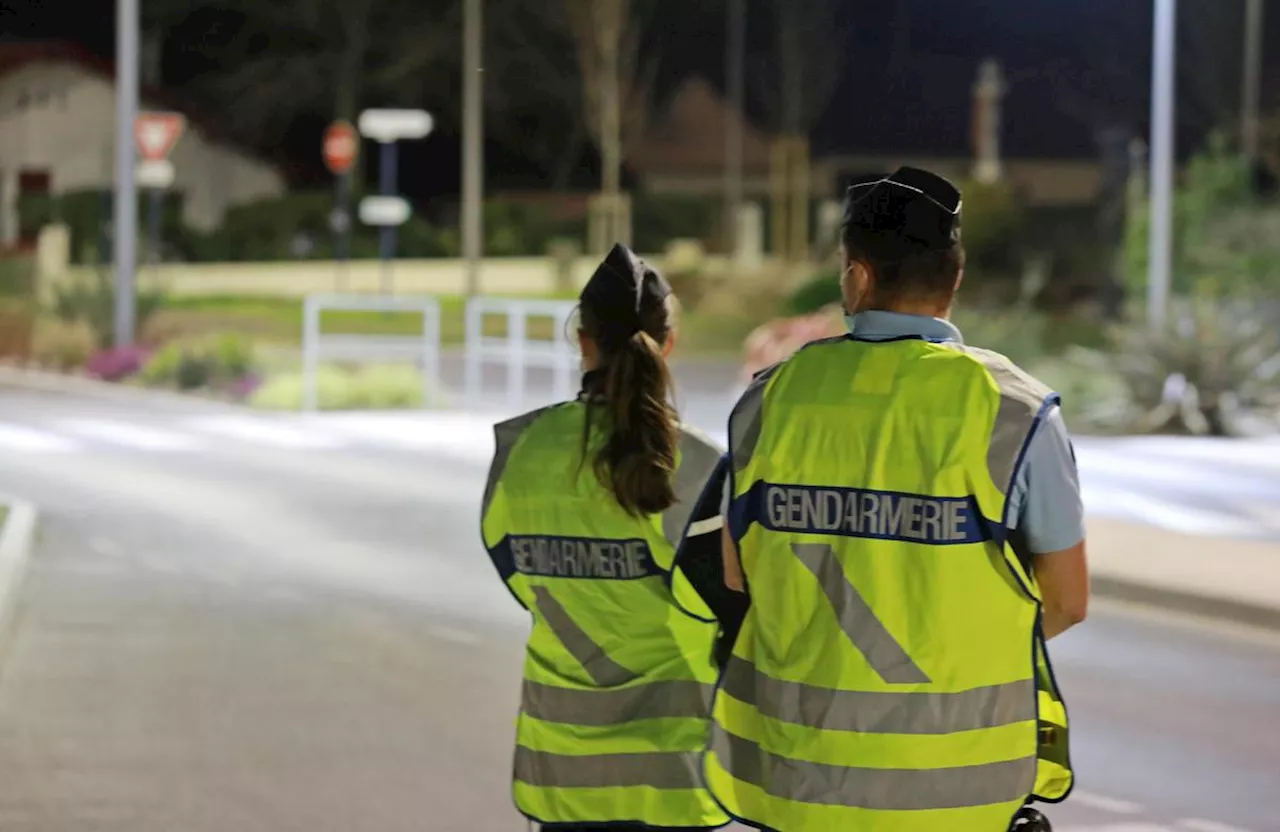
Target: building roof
column 689, row 135
column 17, row 55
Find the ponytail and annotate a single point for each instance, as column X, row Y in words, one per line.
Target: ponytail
column 626, row 311
column 637, row 461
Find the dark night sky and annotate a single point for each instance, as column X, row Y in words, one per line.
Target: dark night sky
column 912, row 99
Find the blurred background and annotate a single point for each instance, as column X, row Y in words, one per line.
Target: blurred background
column 255, row 414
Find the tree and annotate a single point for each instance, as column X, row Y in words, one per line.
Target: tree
column 808, row 55
column 277, row 60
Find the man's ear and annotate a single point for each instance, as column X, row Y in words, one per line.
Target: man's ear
column 857, row 284
column 669, row 345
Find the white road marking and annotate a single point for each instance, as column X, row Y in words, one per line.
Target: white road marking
column 1104, row 803
column 463, row 435
column 134, row 436
column 104, row 547
column 21, row 438
column 1125, row 504
column 1199, row 825
column 266, row 431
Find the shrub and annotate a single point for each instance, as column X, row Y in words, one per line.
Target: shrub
column 92, row 300
column 117, row 363
column 193, row 363
column 17, row 327
column 819, row 291
column 657, row 219
column 63, row 346
column 371, row 388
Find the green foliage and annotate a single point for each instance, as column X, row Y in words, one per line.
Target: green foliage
column 92, row 300
column 991, row 227
column 1221, row 234
column 191, row 364
column 17, row 277
column 269, row 229
column 87, row 214
column 657, row 219
column 820, row 290
column 371, row 388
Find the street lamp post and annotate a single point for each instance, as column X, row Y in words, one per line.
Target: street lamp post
column 125, row 209
column 472, row 144
column 1160, row 242
column 1250, row 92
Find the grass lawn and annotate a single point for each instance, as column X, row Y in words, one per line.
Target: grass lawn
column 279, row 319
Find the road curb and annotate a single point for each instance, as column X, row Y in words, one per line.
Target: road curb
column 1181, row 601
column 17, row 537
column 49, row 382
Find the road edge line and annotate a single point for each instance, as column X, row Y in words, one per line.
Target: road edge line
column 17, row 538
column 1189, row 603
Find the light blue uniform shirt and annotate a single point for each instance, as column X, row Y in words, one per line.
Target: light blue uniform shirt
column 1044, row 502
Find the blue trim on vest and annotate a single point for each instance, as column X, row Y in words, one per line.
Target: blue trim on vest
column 865, row 513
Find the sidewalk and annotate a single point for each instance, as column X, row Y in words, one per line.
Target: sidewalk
column 1228, row 578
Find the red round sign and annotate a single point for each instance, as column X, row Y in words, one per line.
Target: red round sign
column 341, row 145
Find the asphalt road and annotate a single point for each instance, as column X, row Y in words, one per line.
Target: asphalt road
column 232, row 630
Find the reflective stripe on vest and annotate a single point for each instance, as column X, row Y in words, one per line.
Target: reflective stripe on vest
column 617, row 693
column 849, row 710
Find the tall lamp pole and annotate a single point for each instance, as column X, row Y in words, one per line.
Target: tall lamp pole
column 125, row 210
column 473, row 143
column 1252, row 86
column 1160, row 243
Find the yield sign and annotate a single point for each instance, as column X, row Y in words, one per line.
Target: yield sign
column 157, row 133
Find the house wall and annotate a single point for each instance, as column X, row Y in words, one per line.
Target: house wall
column 60, row 117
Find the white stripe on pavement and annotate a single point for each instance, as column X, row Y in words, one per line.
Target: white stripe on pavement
column 1198, row 825
column 281, row 433
column 134, row 436
column 466, row 436
column 1263, row 454
column 21, row 438
column 1125, row 505
column 1105, row 804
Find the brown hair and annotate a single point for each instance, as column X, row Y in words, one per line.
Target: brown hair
column 637, row 459
column 904, row 272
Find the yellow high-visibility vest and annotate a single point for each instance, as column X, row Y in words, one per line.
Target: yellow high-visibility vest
column 891, row 674
column 618, row 681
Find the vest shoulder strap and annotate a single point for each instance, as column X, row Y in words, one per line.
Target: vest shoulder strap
column 506, row 435
column 1024, row 399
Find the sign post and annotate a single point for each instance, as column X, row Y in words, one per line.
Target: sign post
column 155, row 134
column 388, row 210
column 341, row 148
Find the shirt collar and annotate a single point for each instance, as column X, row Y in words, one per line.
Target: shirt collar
column 880, row 325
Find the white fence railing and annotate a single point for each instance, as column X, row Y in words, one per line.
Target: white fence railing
column 424, row 349
column 516, row 350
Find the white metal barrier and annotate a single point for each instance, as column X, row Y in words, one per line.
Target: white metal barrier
column 516, row 351
column 316, row 345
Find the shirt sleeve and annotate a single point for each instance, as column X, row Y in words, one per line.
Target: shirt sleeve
column 1044, row 502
